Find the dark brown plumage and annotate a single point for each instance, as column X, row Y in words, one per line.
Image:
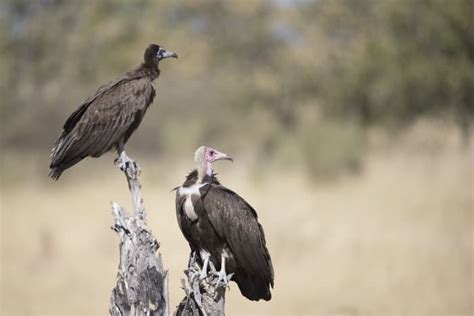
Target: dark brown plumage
column 107, row 119
column 216, row 220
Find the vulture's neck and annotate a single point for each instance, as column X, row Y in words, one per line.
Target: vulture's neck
column 150, row 71
column 194, row 178
column 204, row 169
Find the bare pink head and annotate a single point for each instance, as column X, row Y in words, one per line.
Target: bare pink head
column 205, row 156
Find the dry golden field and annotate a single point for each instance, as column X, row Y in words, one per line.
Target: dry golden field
column 395, row 239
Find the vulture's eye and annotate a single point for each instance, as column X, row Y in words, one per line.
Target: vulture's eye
column 211, row 153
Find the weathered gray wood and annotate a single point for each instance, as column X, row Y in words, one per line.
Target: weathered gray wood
column 203, row 296
column 142, row 282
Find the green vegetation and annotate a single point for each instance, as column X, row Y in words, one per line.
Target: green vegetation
column 269, row 78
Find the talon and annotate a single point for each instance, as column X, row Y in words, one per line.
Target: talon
column 192, row 276
column 205, row 256
column 222, row 275
column 222, row 278
column 139, row 170
column 213, row 268
column 127, row 165
column 118, row 163
column 192, row 259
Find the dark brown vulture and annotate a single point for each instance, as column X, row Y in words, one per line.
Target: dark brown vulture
column 222, row 227
column 106, row 120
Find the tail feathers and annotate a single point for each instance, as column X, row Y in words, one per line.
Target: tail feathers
column 253, row 287
column 57, row 170
column 55, row 173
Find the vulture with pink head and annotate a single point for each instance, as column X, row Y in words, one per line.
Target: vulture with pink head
column 222, row 228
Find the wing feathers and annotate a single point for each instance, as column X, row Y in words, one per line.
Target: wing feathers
column 102, row 121
column 236, row 221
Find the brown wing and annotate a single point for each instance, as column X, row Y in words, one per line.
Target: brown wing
column 102, row 121
column 236, row 222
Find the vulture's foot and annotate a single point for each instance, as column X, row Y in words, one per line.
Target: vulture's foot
column 205, row 257
column 193, row 268
column 192, row 261
column 193, row 274
column 203, row 273
column 128, row 165
column 222, row 277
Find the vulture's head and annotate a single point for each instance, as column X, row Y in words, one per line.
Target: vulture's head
column 204, row 157
column 154, row 53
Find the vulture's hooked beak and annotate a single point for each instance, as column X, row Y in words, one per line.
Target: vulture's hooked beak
column 222, row 156
column 229, row 158
column 163, row 53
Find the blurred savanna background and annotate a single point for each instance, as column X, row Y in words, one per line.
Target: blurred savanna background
column 349, row 123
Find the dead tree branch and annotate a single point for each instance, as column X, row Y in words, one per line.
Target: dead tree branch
column 142, row 282
column 203, row 296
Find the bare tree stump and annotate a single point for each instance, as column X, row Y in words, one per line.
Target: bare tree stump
column 142, row 282
column 203, row 296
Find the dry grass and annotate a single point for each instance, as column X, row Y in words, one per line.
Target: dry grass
column 396, row 239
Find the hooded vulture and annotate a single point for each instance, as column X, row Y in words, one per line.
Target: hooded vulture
column 223, row 228
column 106, row 120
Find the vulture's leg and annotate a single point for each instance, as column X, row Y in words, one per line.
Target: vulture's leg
column 125, row 163
column 222, row 275
column 193, row 284
column 205, row 258
column 192, row 259
column 193, row 267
